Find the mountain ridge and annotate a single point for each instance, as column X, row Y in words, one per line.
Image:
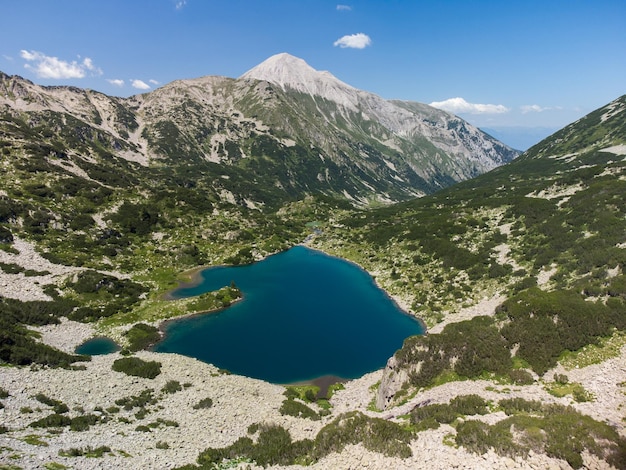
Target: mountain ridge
column 341, row 141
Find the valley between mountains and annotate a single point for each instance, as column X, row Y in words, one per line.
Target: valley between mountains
column 514, row 262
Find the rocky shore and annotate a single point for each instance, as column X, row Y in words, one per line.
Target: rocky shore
column 238, row 402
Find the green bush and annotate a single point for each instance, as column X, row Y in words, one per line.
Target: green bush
column 6, row 237
column 82, row 423
column 273, row 447
column 142, row 336
column 46, row 400
column 139, row 219
column 469, row 405
column 81, row 222
column 560, row 432
column 544, row 324
column 61, row 408
column 439, row 413
column 378, row 435
column 480, row 437
column 292, row 407
column 427, row 416
column 581, row 395
column 85, row 452
column 476, row 344
column 521, row 377
column 107, row 294
column 11, row 268
column 163, row 422
column 57, row 406
column 51, row 421
column 172, row 386
column 561, row 379
column 519, row 405
column 17, row 344
column 146, row 397
column 203, row 404
column 137, row 367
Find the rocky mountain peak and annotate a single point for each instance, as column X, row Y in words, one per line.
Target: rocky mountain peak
column 290, row 72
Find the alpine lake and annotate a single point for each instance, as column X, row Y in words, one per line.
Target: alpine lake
column 304, row 315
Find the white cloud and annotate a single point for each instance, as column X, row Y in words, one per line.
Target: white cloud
column 116, row 81
column 88, row 64
column 180, row 4
column 8, row 57
column 354, row 41
column 154, row 82
column 53, row 67
column 459, row 105
column 535, row 108
column 140, row 84
column 344, row 8
column 532, row 108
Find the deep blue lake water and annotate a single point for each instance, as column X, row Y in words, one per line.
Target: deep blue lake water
column 304, row 315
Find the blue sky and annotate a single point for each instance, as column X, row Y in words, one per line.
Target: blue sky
column 504, row 63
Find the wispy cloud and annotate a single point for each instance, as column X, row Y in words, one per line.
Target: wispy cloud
column 459, row 105
column 344, row 8
column 535, row 108
column 140, row 85
column 53, row 67
column 354, row 41
column 8, row 57
column 180, row 4
column 154, row 82
column 116, row 81
column 89, row 65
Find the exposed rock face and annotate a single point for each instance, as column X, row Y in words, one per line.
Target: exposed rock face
column 393, row 379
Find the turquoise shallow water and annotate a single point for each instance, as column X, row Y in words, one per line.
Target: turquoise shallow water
column 304, row 315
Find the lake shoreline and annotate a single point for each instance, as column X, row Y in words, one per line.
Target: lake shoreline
column 194, row 275
column 162, row 325
column 399, row 303
column 194, row 278
column 323, row 382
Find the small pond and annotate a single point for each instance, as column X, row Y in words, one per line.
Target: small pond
column 98, row 345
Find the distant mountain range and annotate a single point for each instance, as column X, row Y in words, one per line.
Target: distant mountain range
column 280, row 131
column 518, row 137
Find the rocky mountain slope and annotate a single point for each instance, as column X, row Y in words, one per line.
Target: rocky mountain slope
column 543, row 239
column 282, row 130
column 518, row 273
